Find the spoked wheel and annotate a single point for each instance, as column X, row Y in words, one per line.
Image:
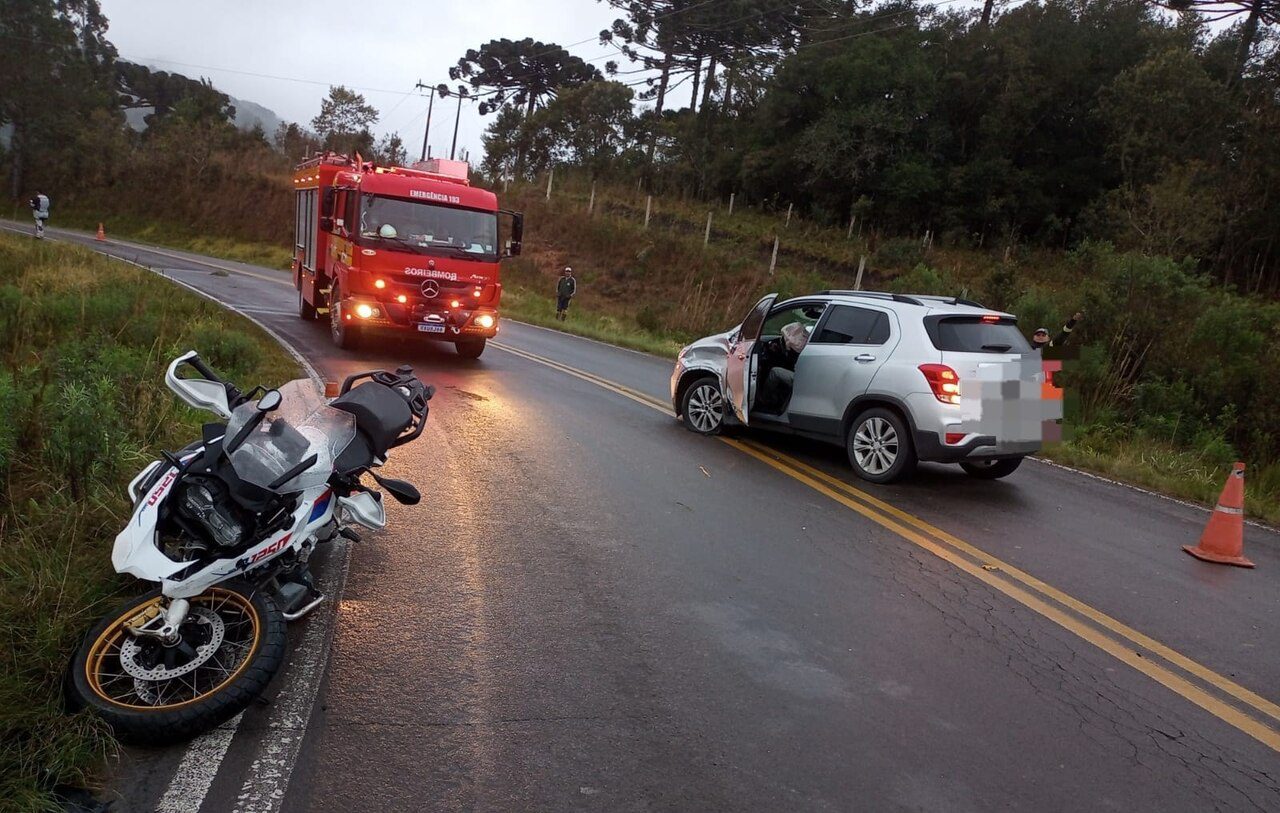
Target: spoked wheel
column 152, row 690
column 879, row 447
column 703, row 407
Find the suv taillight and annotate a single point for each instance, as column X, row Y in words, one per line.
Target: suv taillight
column 943, row 381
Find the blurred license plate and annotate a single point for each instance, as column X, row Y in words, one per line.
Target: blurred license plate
column 429, row 328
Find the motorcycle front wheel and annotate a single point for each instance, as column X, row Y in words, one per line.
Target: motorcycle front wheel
column 230, row 645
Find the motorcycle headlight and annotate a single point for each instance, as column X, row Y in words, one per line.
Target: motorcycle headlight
column 202, row 505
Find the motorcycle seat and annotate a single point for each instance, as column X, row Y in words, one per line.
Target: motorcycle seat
column 381, row 414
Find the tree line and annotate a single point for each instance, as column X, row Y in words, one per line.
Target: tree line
column 1153, row 126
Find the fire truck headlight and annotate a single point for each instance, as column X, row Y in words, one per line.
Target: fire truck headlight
column 379, row 283
column 365, row 311
column 402, row 299
column 484, row 320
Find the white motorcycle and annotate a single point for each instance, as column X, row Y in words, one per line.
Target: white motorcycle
column 226, row 527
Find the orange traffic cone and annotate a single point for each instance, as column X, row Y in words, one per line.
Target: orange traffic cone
column 1223, row 538
column 102, row 234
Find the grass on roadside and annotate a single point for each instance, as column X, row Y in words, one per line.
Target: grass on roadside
column 538, row 308
column 171, row 235
column 83, row 346
column 1188, row 473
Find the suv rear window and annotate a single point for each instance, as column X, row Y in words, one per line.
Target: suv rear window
column 976, row 334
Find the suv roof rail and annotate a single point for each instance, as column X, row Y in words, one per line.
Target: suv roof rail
column 910, row 300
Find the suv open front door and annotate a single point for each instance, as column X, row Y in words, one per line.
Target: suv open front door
column 740, row 366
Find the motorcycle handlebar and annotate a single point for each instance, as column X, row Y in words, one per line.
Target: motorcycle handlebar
column 205, row 370
column 234, row 397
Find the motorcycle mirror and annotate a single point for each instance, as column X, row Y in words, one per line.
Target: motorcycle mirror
column 404, row 493
column 270, row 401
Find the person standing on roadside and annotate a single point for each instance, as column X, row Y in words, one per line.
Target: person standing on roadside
column 40, row 209
column 566, row 287
column 1040, row 339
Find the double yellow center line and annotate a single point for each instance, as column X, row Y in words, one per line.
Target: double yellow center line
column 1211, row 691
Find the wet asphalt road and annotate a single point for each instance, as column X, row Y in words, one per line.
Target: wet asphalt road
column 595, row 609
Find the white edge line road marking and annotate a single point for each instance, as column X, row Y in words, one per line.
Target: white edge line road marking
column 268, row 776
column 194, row 774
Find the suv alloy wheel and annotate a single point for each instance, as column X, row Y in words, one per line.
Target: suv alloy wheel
column 703, row 406
column 879, row 446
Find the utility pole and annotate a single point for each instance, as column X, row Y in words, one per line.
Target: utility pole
column 430, row 104
column 457, row 118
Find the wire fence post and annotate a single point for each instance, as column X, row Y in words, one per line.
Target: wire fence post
column 788, row 223
column 648, row 205
column 773, row 261
column 706, row 237
column 849, row 233
column 862, row 266
column 550, row 176
column 591, row 202
column 731, row 194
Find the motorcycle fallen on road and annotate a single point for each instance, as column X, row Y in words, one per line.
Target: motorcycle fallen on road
column 226, row 527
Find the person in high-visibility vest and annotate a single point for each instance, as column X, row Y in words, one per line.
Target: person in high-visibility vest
column 40, row 209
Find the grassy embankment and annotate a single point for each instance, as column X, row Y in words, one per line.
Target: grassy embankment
column 654, row 289
column 83, row 346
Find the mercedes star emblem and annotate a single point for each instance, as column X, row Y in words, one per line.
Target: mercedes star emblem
column 430, row 289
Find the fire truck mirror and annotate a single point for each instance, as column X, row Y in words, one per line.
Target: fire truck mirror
column 326, row 224
column 326, row 205
column 517, row 234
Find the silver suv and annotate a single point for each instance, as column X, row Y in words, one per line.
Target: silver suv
column 893, row 378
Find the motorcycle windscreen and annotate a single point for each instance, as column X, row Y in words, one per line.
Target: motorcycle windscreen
column 303, row 425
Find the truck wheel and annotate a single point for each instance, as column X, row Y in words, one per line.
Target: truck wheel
column 470, row 349
column 879, row 446
column 306, row 310
column 991, row 469
column 344, row 334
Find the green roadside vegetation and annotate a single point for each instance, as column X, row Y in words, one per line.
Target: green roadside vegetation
column 84, row 342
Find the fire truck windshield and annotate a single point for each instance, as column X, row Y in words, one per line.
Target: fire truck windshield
column 430, row 229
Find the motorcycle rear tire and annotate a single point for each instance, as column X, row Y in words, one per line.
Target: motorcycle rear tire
column 143, row 724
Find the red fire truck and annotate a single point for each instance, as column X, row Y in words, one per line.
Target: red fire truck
column 399, row 248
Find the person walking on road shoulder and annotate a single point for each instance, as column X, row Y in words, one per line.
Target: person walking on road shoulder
column 565, row 290
column 1040, row 339
column 40, row 209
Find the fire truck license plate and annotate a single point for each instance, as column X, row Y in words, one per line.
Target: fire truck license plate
column 429, row 328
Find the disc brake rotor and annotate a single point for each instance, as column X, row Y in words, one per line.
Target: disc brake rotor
column 130, row 649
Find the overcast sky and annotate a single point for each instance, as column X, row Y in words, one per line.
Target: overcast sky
column 380, row 47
